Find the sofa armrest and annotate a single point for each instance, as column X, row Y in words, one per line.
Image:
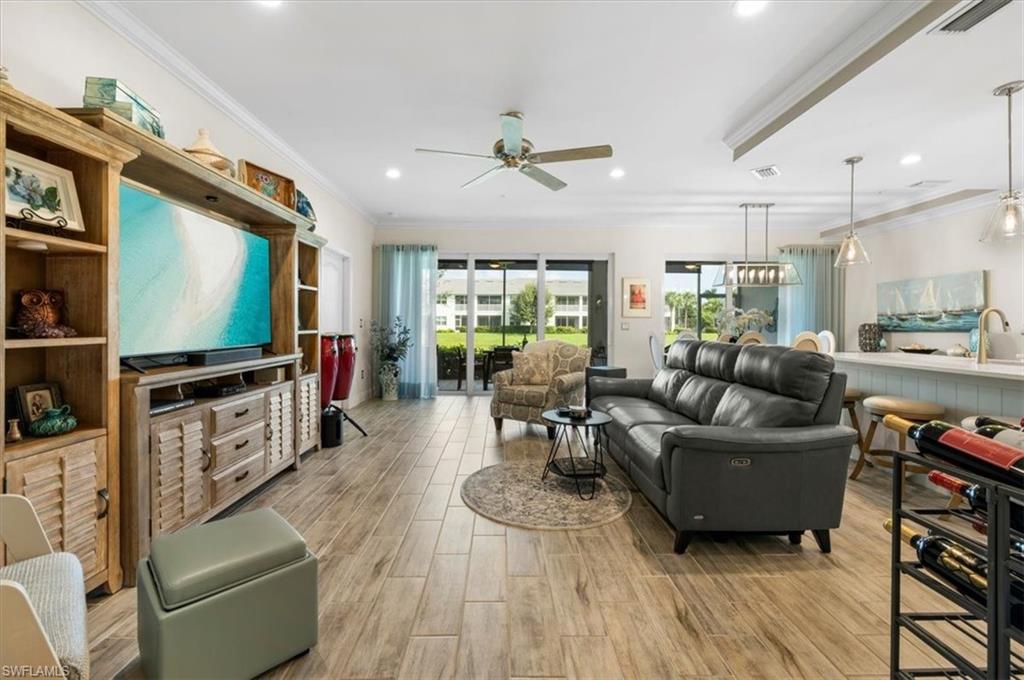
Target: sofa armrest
column 502, row 378
column 619, row 387
column 568, row 382
column 757, row 439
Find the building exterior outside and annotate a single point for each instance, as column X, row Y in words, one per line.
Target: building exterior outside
column 569, row 298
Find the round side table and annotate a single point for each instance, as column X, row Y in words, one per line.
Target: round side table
column 578, row 468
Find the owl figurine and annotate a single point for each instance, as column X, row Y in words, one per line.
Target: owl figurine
column 40, row 313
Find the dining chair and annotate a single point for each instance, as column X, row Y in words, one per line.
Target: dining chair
column 807, row 341
column 828, row 341
column 752, row 338
column 657, row 352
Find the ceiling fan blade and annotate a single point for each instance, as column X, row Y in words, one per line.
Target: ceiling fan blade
column 542, row 176
column 580, row 154
column 512, row 132
column 484, row 177
column 455, row 153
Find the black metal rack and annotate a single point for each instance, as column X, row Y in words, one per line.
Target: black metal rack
column 988, row 627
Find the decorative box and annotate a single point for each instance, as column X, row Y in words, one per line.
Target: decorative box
column 112, row 94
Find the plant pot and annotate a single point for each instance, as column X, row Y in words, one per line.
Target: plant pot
column 388, row 375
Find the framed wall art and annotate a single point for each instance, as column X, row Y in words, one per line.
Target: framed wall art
column 636, row 297
column 40, row 193
column 34, row 400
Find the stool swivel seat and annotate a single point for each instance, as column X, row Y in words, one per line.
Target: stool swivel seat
column 851, row 396
column 881, row 405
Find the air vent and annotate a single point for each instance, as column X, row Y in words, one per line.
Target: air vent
column 973, row 15
column 766, row 172
column 929, row 183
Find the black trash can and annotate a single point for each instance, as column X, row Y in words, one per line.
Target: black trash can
column 332, row 432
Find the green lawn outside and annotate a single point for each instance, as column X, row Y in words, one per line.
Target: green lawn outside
column 485, row 341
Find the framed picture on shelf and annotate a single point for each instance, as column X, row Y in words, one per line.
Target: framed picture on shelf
column 33, row 400
column 40, row 193
column 636, row 297
column 270, row 184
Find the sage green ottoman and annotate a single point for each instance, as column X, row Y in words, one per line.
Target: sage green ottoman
column 228, row 599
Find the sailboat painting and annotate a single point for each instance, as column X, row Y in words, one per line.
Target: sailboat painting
column 947, row 303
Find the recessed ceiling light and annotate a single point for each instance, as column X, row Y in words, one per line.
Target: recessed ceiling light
column 748, row 8
column 270, row 3
column 617, row 173
column 910, row 159
column 393, row 173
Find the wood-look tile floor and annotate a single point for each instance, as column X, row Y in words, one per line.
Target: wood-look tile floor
column 414, row 585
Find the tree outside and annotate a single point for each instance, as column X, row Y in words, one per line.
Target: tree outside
column 523, row 310
column 682, row 306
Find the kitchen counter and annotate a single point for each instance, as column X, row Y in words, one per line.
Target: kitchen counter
column 936, row 363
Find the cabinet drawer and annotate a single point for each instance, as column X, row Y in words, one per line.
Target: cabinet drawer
column 242, row 476
column 236, row 413
column 231, row 448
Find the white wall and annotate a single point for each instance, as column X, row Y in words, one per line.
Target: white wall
column 51, row 64
column 635, row 252
column 939, row 246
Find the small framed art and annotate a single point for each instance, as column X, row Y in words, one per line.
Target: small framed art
column 40, row 193
column 270, row 184
column 636, row 297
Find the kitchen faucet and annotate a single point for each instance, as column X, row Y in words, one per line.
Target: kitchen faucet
column 982, row 357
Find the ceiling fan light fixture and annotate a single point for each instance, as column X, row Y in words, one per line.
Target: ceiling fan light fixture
column 1007, row 221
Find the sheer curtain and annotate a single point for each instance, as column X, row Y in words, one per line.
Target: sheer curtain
column 406, row 287
column 818, row 304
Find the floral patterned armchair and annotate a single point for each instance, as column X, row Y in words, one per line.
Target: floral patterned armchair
column 545, row 375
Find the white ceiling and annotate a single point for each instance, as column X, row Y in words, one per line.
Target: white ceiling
column 354, row 87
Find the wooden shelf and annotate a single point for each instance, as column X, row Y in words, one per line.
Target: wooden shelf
column 311, row 289
column 34, row 343
column 32, row 445
column 309, row 331
column 163, row 166
column 54, row 244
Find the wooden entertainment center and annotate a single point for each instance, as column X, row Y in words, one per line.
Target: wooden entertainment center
column 124, row 476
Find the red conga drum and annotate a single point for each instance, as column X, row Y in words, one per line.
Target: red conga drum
column 346, row 366
column 328, row 368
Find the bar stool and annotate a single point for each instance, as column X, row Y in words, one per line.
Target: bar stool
column 881, row 405
column 850, row 399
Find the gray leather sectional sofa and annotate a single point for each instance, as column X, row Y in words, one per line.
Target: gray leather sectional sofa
column 730, row 438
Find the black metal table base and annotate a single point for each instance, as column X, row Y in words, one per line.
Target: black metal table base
column 578, row 468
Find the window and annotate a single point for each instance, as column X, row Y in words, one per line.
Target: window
column 691, row 303
column 489, row 320
column 567, row 321
column 488, row 299
column 567, row 300
column 460, row 320
column 442, row 298
column 460, row 300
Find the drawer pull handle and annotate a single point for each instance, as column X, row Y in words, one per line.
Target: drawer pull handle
column 239, row 414
column 269, row 432
column 206, row 461
column 242, row 476
column 241, row 445
column 105, row 497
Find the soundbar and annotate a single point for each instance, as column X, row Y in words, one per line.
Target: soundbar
column 224, row 356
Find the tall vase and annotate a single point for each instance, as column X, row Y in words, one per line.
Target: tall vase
column 328, row 368
column 346, row 366
column 388, row 375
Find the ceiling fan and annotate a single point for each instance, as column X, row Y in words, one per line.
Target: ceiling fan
column 514, row 152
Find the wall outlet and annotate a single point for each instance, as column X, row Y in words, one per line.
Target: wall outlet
column 362, row 374
column 624, row 326
column 360, row 322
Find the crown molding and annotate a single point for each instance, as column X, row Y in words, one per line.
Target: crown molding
column 915, row 213
column 885, row 30
column 119, row 19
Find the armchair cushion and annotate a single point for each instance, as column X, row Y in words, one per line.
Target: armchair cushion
column 522, row 395
column 56, row 589
column 530, row 368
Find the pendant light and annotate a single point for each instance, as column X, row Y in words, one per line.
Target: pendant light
column 852, row 252
column 749, row 274
column 1007, row 220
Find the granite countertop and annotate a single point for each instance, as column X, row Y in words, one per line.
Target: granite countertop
column 938, row 363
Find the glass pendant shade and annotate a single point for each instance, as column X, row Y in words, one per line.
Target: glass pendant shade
column 851, row 252
column 757, row 275
column 1007, row 221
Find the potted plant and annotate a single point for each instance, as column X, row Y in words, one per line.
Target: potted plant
column 390, row 345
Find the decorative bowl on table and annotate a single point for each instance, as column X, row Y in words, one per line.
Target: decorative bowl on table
column 918, row 348
column 574, row 412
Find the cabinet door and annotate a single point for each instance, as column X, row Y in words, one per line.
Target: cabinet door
column 309, row 413
column 67, row 488
column 280, row 412
column 178, row 479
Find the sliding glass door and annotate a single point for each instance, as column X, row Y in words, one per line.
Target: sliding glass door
column 576, row 311
column 451, row 320
column 505, row 295
column 692, row 306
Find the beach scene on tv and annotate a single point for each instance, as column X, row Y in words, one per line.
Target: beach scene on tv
column 947, row 303
column 188, row 282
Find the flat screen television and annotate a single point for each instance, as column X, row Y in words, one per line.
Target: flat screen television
column 188, row 282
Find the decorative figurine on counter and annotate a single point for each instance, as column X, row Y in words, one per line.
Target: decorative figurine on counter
column 204, row 151
column 13, row 431
column 54, row 421
column 869, row 337
column 957, row 350
column 40, row 313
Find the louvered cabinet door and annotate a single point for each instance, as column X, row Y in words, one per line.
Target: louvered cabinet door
column 309, row 413
column 67, row 488
column 280, row 431
column 178, row 477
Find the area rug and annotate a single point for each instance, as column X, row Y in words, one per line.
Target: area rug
column 512, row 493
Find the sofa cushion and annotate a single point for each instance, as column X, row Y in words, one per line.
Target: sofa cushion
column 743, row 406
column 530, row 368
column 643, row 446
column 626, row 417
column 718, row 360
column 666, row 386
column 699, row 398
column 56, row 589
column 683, row 354
column 522, row 395
column 782, row 370
column 202, row 560
column 606, row 403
